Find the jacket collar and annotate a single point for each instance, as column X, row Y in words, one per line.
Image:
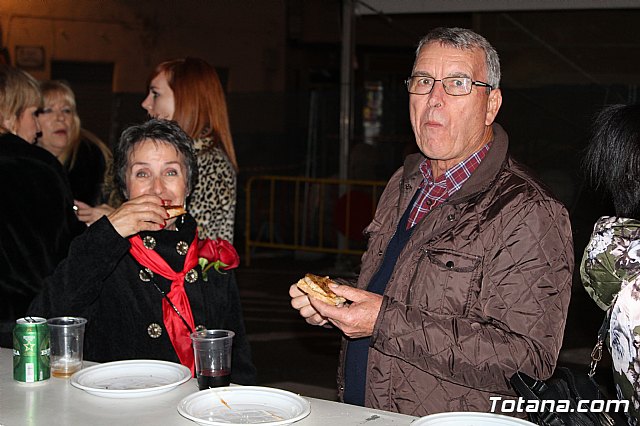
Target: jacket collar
column 481, row 177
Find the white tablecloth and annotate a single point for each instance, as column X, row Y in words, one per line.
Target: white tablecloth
column 55, row 402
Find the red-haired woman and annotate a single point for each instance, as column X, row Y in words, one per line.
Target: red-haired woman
column 189, row 92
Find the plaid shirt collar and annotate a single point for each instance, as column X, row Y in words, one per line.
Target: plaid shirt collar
column 433, row 192
column 453, row 178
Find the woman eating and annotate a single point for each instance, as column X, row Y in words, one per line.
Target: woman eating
column 189, row 92
column 134, row 274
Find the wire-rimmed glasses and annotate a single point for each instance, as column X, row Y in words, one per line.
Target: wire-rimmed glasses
column 454, row 86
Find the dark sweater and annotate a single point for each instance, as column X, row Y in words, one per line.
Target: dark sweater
column 87, row 174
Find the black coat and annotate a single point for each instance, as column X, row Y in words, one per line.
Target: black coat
column 37, row 224
column 101, row 281
column 87, row 175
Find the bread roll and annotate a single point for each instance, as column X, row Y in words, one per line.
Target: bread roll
column 318, row 288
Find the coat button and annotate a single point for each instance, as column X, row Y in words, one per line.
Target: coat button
column 154, row 330
column 145, row 275
column 451, row 217
column 407, row 186
column 191, row 276
column 380, row 253
column 149, row 242
column 449, row 264
column 182, row 248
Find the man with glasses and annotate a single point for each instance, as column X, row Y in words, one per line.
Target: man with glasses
column 467, row 275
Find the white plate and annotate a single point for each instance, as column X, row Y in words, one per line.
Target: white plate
column 244, row 405
column 469, row 419
column 131, row 379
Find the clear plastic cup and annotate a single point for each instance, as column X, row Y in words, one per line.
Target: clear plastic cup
column 212, row 350
column 67, row 338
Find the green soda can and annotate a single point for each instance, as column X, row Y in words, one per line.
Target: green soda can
column 31, row 350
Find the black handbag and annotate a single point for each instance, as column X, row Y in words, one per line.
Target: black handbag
column 559, row 396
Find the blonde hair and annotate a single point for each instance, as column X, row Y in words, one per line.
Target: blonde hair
column 200, row 105
column 58, row 89
column 18, row 91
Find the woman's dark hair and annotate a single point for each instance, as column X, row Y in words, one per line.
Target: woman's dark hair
column 612, row 161
column 159, row 131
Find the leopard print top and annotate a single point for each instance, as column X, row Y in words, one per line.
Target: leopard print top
column 213, row 200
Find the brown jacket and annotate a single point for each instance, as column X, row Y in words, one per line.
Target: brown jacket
column 480, row 290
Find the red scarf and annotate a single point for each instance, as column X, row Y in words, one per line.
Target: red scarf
column 178, row 332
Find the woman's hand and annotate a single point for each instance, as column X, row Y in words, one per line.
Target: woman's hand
column 88, row 214
column 144, row 213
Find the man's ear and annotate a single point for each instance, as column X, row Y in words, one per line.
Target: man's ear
column 494, row 101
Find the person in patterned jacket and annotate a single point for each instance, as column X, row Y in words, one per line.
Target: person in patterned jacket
column 610, row 268
column 189, row 92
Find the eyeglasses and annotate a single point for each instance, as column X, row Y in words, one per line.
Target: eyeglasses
column 454, row 86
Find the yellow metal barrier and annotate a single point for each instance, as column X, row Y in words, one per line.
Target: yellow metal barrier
column 308, row 214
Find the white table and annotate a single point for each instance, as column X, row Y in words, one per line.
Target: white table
column 55, row 402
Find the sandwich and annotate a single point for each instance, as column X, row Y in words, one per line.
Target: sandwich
column 318, row 288
column 175, row 211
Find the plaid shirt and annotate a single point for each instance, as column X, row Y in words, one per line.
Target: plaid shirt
column 432, row 193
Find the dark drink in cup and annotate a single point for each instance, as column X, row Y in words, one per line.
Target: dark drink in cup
column 212, row 352
column 213, row 379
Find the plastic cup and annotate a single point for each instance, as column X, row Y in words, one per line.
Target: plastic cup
column 67, row 337
column 212, row 351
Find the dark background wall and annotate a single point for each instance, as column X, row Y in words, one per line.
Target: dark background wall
column 280, row 62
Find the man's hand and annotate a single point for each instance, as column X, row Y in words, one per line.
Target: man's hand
column 300, row 301
column 355, row 319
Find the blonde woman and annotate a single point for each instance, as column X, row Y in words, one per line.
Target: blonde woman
column 84, row 156
column 37, row 221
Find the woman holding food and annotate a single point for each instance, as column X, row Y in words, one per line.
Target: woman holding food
column 136, row 273
column 189, row 92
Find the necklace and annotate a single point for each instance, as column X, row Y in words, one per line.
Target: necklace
column 164, row 295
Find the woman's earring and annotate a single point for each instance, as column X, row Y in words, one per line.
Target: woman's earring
column 182, row 217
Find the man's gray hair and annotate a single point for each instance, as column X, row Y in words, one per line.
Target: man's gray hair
column 462, row 38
